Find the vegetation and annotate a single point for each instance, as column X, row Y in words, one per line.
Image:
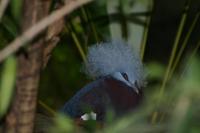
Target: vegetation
column 173, row 76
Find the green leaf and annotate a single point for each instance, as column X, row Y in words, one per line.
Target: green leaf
column 10, row 26
column 155, row 70
column 191, row 75
column 7, row 83
column 63, row 124
column 16, row 6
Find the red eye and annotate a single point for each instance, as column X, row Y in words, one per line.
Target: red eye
column 125, row 76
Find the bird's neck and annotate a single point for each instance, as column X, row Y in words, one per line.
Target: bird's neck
column 122, row 96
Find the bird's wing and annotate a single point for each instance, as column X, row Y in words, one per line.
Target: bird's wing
column 91, row 96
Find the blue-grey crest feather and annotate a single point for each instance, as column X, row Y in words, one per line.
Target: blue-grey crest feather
column 114, row 56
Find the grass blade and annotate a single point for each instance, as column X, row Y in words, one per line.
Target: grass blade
column 177, row 60
column 7, row 84
column 174, row 49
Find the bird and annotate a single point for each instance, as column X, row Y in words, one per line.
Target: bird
column 119, row 79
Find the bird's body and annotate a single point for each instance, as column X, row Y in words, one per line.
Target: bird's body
column 119, row 80
column 101, row 95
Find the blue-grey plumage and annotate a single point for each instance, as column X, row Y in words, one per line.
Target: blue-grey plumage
column 100, row 95
column 75, row 106
column 120, row 77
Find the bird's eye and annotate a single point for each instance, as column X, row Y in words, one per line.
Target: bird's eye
column 125, row 76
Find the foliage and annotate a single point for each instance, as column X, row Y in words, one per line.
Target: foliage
column 172, row 93
column 7, row 84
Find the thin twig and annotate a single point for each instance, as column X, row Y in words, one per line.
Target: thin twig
column 49, row 109
column 186, row 39
column 40, row 26
column 3, row 6
column 146, row 31
column 78, row 45
column 171, row 59
column 173, row 53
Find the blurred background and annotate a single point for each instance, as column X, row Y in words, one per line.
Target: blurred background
column 167, row 35
column 98, row 21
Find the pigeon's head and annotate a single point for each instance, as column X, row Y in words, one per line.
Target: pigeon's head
column 118, row 60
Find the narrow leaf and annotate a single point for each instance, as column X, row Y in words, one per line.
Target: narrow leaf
column 16, row 6
column 7, row 83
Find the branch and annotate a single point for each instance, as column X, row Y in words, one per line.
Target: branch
column 3, row 6
column 52, row 38
column 28, row 35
